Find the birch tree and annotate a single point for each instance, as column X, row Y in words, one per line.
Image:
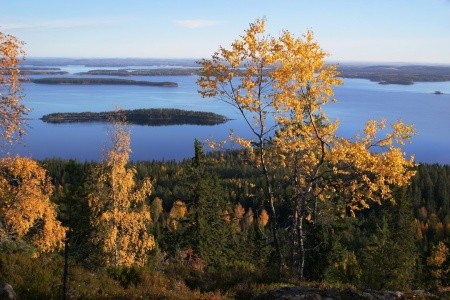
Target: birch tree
column 280, row 85
column 26, row 212
column 12, row 112
column 119, row 211
column 237, row 76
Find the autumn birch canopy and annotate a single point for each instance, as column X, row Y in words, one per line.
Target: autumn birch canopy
column 26, row 212
column 12, row 112
column 119, row 211
column 238, row 76
column 280, row 85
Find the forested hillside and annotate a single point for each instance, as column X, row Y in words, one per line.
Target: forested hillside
column 294, row 204
column 211, row 234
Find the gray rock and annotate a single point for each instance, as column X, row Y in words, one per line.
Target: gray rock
column 7, row 292
column 368, row 296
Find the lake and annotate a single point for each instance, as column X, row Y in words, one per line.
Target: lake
column 358, row 101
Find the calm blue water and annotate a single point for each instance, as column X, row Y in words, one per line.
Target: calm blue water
column 358, row 101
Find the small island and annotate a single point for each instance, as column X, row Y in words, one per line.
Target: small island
column 101, row 81
column 41, row 71
column 150, row 117
column 144, row 72
column 438, row 93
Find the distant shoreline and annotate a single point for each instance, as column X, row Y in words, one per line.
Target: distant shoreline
column 406, row 75
column 383, row 73
column 101, row 81
column 402, row 75
column 144, row 72
column 150, row 117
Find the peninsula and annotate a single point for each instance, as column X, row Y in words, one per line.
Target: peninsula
column 150, row 117
column 101, row 81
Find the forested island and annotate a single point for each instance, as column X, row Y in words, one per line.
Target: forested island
column 144, row 72
column 102, row 81
column 395, row 74
column 383, row 74
column 41, row 71
column 111, row 62
column 150, row 117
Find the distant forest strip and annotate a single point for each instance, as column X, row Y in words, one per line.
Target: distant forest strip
column 145, row 72
column 42, row 71
column 151, row 117
column 110, row 62
column 102, row 81
column 388, row 74
column 383, row 74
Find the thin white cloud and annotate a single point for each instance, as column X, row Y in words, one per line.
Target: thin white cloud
column 197, row 23
column 61, row 24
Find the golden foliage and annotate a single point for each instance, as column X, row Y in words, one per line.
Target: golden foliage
column 365, row 174
column 157, row 208
column 226, row 216
column 247, row 221
column 436, row 261
column 11, row 110
column 120, row 213
column 236, row 76
column 279, row 86
column 26, row 211
column 286, row 78
column 263, row 218
column 177, row 213
column 239, row 212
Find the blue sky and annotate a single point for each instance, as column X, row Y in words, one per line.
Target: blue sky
column 350, row 30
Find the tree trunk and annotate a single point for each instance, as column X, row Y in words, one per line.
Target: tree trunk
column 272, row 208
column 294, row 239
column 301, row 266
column 66, row 267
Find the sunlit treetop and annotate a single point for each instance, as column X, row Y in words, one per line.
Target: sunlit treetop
column 280, row 86
column 12, row 112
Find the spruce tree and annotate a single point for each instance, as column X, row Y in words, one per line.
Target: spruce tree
column 209, row 234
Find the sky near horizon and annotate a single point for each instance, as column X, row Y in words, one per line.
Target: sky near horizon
column 399, row 31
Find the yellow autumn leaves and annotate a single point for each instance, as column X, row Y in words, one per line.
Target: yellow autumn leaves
column 120, row 214
column 26, row 210
column 12, row 112
column 279, row 85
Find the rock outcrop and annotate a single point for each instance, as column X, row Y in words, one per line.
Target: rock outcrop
column 7, row 292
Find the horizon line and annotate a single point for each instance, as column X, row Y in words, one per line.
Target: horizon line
column 199, row 58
